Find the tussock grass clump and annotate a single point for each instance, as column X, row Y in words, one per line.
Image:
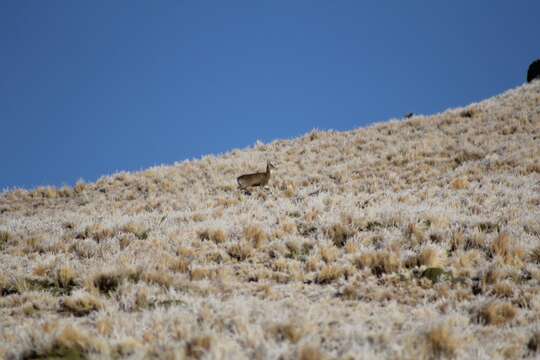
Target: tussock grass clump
column 136, row 229
column 45, row 192
column 415, row 234
column 80, row 186
column 81, row 304
column 107, row 282
column 442, row 341
column 380, row 262
column 504, row 247
column 161, row 278
column 476, row 241
column 466, row 261
column 198, row 346
column 534, row 255
column 127, row 347
column 310, row 353
column 468, row 113
column 534, row 343
column 201, row 273
column 4, row 238
column 288, row 227
column 240, row 251
column 467, row 155
column 65, row 277
column 430, row 257
column 351, row 247
column 329, row 253
column 287, row 331
column 294, row 247
column 256, row 235
column 457, row 240
column 329, row 274
column 7, row 286
column 503, row 289
column 180, row 264
column 460, row 184
column 493, row 274
column 216, row 235
column 70, row 343
column 312, row 263
column 97, row 232
column 497, row 313
column 349, row 292
column 339, row 234
column 533, row 169
column 280, row 264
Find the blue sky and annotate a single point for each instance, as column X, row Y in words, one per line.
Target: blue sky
column 89, row 88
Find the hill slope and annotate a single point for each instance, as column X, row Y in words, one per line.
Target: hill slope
column 408, row 239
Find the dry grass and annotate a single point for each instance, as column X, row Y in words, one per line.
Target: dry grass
column 504, row 247
column 216, row 235
column 255, row 235
column 442, row 341
column 496, row 313
column 406, row 239
column 380, row 262
column 81, row 305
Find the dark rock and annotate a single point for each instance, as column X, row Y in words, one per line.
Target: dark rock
column 534, row 71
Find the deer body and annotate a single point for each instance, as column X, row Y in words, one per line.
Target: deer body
column 255, row 179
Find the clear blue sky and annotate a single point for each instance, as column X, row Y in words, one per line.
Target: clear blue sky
column 89, row 88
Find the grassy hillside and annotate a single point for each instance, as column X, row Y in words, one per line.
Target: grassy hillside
column 410, row 239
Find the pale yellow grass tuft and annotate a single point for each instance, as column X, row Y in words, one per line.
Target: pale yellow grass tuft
column 329, row 273
column 496, row 313
column 415, row 234
column 510, row 252
column 81, row 305
column 127, row 347
column 310, row 353
column 197, row 347
column 329, row 253
column 180, row 264
column 460, row 184
column 288, row 227
column 159, row 277
column 216, row 235
column 442, row 341
column 380, row 262
column 97, row 232
column 339, row 234
column 79, row 187
column 136, row 229
column 256, row 235
column 65, row 276
column 429, row 256
column 72, row 342
column 240, row 251
column 201, row 273
column 503, row 289
column 288, row 331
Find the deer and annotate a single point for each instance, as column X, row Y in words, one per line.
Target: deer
column 255, row 179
